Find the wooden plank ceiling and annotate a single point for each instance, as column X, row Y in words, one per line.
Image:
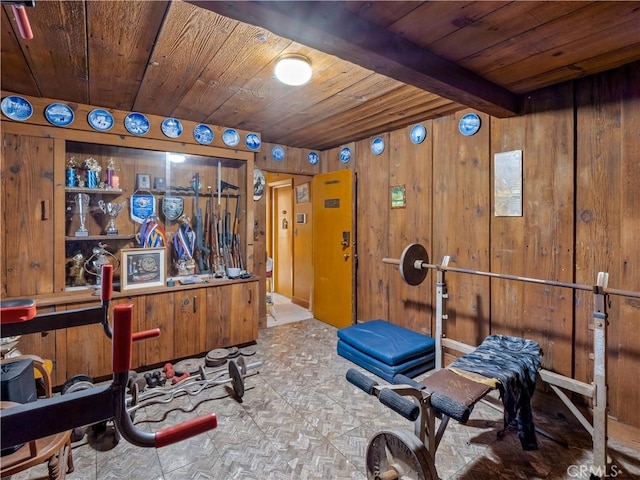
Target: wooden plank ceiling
column 377, row 66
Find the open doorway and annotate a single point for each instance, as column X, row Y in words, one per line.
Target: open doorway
column 282, row 238
column 289, row 236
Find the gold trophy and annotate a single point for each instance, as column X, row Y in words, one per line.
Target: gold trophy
column 113, row 210
column 82, row 205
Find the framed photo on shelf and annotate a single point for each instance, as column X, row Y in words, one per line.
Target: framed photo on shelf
column 143, row 181
column 302, row 193
column 142, row 268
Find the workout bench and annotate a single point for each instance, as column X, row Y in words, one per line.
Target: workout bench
column 451, row 393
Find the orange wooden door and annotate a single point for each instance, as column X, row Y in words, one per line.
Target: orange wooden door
column 333, row 246
column 283, row 239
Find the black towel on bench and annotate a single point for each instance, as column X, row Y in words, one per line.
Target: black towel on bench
column 515, row 362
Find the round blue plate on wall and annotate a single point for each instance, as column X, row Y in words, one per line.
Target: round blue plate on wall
column 345, row 155
column 418, row 134
column 469, row 124
column 278, row 153
column 17, row 108
column 252, row 141
column 377, row 145
column 136, row 123
column 59, row 114
column 171, row 127
column 313, row 158
column 100, row 119
column 230, row 137
column 203, row 134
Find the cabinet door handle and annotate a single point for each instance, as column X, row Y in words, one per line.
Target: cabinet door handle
column 250, row 296
column 195, row 307
column 44, row 207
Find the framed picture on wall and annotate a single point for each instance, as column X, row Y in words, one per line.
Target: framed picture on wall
column 302, row 193
column 142, row 268
column 398, row 197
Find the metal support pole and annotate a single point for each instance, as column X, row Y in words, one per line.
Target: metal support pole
column 441, row 295
column 600, row 299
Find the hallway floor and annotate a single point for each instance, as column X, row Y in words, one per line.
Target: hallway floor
column 282, row 310
column 300, row 419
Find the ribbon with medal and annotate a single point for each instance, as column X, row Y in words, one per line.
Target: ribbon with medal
column 184, row 242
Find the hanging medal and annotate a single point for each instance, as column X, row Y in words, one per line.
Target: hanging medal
column 151, row 233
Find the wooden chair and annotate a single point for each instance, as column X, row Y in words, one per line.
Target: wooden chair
column 54, row 449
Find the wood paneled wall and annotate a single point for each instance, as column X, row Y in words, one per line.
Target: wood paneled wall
column 581, row 188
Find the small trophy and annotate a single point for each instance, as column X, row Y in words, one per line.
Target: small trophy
column 113, row 210
column 82, row 204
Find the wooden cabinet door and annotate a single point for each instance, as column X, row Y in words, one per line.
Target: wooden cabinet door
column 82, row 350
column 158, row 313
column 27, row 213
column 190, row 320
column 244, row 313
column 232, row 315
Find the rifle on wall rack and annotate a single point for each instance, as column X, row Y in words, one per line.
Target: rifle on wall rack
column 201, row 249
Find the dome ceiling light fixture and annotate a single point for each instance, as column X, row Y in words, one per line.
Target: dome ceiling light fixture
column 293, row 70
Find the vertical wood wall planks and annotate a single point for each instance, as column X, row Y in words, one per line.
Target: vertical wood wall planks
column 410, row 165
column 461, row 218
column 608, row 224
column 540, row 243
column 373, row 230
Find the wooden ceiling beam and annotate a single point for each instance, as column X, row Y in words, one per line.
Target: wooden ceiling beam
column 330, row 28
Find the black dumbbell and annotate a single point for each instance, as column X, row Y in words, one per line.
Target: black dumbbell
column 151, row 380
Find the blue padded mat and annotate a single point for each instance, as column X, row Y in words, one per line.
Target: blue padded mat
column 410, row 368
column 386, row 342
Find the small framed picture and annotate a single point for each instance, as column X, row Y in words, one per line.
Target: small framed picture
column 302, row 193
column 159, row 183
column 398, row 198
column 142, row 268
column 143, row 181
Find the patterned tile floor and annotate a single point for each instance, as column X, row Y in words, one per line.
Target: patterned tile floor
column 300, row 419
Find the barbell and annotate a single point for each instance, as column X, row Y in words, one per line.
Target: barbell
column 414, row 266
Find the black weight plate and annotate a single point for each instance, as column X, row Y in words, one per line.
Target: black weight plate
column 236, row 379
column 248, row 351
column 213, row 363
column 218, row 354
column 242, row 365
column 75, row 379
column 233, row 352
column 188, row 365
column 408, row 271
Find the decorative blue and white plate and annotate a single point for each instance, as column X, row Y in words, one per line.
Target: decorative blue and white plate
column 16, row 108
column 100, row 119
column 345, row 155
column 171, row 127
column 59, row 114
column 278, row 153
column 313, row 158
column 469, row 124
column 252, row 141
column 203, row 134
column 230, row 137
column 136, row 124
column 418, row 134
column 377, row 146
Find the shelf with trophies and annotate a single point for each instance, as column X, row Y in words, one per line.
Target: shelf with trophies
column 91, row 221
column 119, row 199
